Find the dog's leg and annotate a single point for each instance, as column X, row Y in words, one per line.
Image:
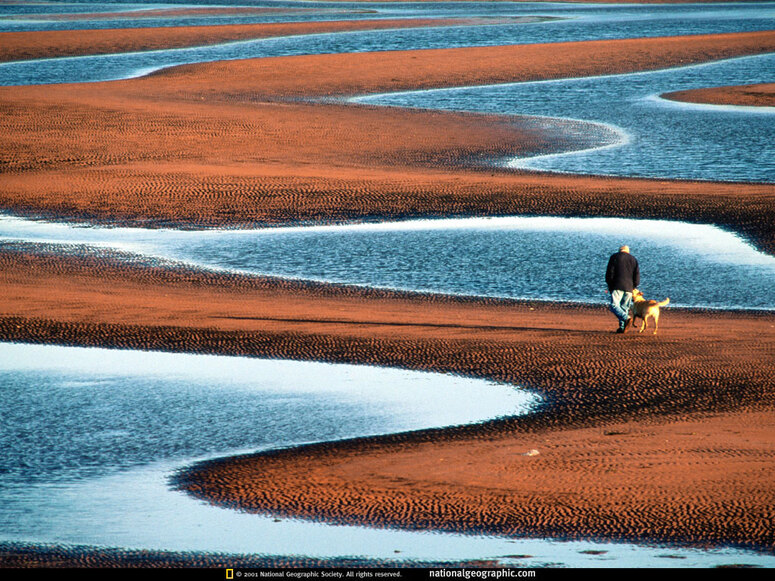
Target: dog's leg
column 656, row 322
column 645, row 323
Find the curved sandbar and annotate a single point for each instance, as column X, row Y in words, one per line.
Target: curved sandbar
column 230, row 142
column 41, row 44
column 641, row 431
column 761, row 95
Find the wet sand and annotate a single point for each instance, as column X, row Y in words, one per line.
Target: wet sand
column 21, row 556
column 762, row 95
column 665, row 438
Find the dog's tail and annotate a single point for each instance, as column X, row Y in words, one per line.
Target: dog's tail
column 663, row 303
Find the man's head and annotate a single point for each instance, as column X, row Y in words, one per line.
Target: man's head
column 624, row 249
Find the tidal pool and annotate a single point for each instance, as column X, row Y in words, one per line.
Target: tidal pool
column 89, row 436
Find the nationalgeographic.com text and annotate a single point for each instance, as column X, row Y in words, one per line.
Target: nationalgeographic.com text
column 481, row 574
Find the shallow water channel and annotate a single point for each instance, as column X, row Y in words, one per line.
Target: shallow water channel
column 90, row 436
column 620, row 125
column 532, row 258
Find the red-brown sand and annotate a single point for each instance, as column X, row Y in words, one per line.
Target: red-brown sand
column 762, row 95
column 666, row 438
column 60, row 43
column 231, row 143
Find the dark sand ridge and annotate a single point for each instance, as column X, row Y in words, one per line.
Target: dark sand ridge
column 229, row 143
column 762, row 95
column 648, row 438
column 21, row 556
column 16, row 46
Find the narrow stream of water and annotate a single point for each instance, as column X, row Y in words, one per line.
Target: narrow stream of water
column 618, row 125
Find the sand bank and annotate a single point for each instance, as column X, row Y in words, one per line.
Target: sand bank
column 666, row 480
column 16, row 46
column 644, row 438
column 762, row 95
column 230, row 142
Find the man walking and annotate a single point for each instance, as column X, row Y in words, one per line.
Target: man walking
column 622, row 276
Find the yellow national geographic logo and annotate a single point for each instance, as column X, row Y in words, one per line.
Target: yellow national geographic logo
column 230, row 573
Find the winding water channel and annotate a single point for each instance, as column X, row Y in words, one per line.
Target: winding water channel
column 90, row 437
column 695, row 265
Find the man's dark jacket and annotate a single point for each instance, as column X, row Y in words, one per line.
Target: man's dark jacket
column 622, row 273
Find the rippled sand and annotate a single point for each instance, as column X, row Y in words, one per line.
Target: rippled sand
column 62, row 43
column 762, row 95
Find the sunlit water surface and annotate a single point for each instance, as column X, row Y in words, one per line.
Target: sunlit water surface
column 559, row 259
column 591, row 20
column 74, row 420
column 623, row 126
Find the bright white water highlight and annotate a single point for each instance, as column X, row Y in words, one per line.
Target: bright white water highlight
column 89, row 435
column 533, row 258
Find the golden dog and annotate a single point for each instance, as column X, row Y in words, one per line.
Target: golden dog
column 645, row 309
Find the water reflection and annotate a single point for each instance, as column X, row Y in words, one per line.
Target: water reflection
column 74, row 418
column 71, row 413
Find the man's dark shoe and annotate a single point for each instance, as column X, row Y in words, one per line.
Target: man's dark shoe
column 620, row 330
